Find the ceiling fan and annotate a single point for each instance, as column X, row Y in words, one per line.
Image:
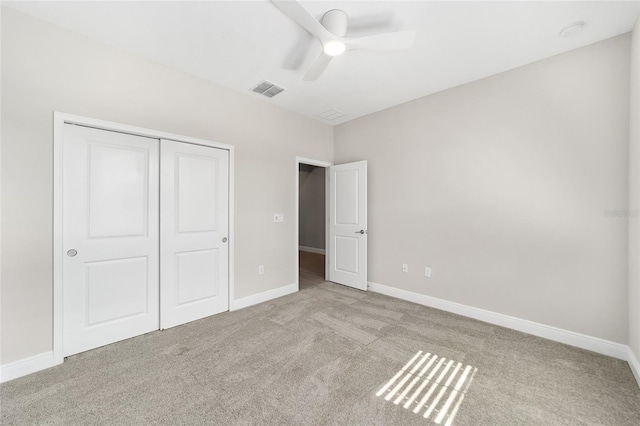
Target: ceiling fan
column 332, row 31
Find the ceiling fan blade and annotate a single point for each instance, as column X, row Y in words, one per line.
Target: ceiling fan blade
column 318, row 67
column 297, row 12
column 387, row 41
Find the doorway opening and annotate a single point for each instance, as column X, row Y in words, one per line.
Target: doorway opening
column 344, row 224
column 312, row 222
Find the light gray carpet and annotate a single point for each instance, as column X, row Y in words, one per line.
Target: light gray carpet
column 318, row 357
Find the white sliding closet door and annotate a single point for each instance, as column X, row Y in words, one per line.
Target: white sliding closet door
column 110, row 237
column 194, row 271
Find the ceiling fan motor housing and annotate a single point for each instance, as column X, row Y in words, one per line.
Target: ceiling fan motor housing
column 335, row 21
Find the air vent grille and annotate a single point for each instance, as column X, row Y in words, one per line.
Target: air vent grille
column 267, row 89
column 331, row 115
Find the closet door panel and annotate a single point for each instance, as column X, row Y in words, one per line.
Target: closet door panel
column 194, row 218
column 110, row 237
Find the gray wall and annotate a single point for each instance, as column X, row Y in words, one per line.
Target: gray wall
column 312, row 206
column 502, row 186
column 634, row 195
column 46, row 68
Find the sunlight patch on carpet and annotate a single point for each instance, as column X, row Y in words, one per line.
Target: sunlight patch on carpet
column 443, row 385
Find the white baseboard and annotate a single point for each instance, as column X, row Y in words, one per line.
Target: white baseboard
column 25, row 366
column 634, row 365
column 265, row 296
column 595, row 344
column 311, row 249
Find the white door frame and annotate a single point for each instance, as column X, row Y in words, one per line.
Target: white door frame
column 326, row 165
column 59, row 120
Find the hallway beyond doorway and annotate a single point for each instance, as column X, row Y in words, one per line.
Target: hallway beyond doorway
column 311, row 268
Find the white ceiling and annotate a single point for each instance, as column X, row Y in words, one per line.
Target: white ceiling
column 239, row 43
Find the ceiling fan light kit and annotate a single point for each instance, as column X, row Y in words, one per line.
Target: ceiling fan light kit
column 332, row 35
column 334, row 48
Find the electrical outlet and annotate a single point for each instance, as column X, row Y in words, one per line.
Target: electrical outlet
column 260, row 269
column 405, row 267
column 427, row 272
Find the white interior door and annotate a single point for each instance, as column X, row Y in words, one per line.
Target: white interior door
column 110, row 237
column 194, row 272
column 348, row 224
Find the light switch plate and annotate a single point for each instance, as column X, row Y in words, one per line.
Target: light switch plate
column 278, row 217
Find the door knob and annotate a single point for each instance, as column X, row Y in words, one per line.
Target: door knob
column 72, row 252
column 224, row 239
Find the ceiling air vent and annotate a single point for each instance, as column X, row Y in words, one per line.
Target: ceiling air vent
column 331, row 115
column 267, row 89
